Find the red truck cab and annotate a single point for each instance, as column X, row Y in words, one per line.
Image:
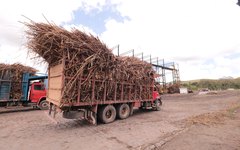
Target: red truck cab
column 37, row 94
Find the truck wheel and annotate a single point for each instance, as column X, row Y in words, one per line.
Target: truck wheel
column 3, row 104
column 107, row 114
column 157, row 105
column 43, row 105
column 123, row 111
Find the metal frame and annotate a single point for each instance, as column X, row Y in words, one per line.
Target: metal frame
column 104, row 100
column 78, row 102
column 159, row 65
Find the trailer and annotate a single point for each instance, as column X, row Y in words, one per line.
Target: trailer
column 33, row 91
column 126, row 98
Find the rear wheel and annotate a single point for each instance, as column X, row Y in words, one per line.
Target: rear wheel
column 107, row 114
column 3, row 104
column 43, row 105
column 123, row 111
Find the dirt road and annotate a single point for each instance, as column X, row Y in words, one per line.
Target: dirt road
column 165, row 129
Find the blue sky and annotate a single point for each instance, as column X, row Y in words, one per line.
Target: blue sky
column 96, row 18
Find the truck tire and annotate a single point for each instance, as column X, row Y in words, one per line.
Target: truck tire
column 123, row 111
column 107, row 114
column 157, row 105
column 3, row 104
column 43, row 105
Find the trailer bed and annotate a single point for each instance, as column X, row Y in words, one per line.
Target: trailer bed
column 122, row 92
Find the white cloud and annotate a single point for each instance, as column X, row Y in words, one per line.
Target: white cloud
column 80, row 27
column 11, row 54
column 187, row 31
column 12, row 36
column 93, row 4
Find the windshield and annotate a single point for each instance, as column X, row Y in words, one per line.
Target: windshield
column 39, row 87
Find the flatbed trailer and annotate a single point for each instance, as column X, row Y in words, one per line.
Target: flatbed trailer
column 126, row 96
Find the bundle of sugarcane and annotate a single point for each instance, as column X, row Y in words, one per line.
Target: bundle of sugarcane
column 86, row 56
column 13, row 74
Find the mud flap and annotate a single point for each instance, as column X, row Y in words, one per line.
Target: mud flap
column 160, row 100
column 131, row 109
column 52, row 109
column 92, row 118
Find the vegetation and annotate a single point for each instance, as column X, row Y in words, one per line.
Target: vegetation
column 221, row 84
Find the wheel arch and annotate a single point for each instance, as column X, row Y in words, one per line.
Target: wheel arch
column 41, row 99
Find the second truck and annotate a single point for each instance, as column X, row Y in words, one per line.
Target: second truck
column 20, row 85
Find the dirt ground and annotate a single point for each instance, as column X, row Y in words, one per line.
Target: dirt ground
column 206, row 121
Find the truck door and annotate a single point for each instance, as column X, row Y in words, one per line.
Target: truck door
column 37, row 92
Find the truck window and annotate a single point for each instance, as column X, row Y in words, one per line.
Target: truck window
column 38, row 87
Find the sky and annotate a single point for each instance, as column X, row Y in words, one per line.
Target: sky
column 202, row 37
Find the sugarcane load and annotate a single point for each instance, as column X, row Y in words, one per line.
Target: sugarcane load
column 85, row 75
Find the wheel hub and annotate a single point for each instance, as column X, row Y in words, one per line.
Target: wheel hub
column 109, row 114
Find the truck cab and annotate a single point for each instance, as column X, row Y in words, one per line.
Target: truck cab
column 37, row 94
column 34, row 89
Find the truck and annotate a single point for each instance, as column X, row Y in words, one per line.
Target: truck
column 104, row 110
column 33, row 91
column 86, row 80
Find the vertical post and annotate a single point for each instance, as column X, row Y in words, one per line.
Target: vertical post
column 50, row 109
column 150, row 59
column 49, row 75
column 152, row 90
column 93, row 90
column 118, row 49
column 163, row 75
column 142, row 56
column 172, row 76
column 122, row 91
column 131, row 108
column 140, row 93
column 152, row 87
column 135, row 92
column 105, row 90
column 129, row 93
column 63, row 75
column 54, row 111
column 173, row 73
column 115, row 92
column 79, row 90
column 147, row 91
column 133, row 52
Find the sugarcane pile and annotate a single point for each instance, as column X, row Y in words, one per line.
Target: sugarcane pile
column 13, row 74
column 87, row 57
